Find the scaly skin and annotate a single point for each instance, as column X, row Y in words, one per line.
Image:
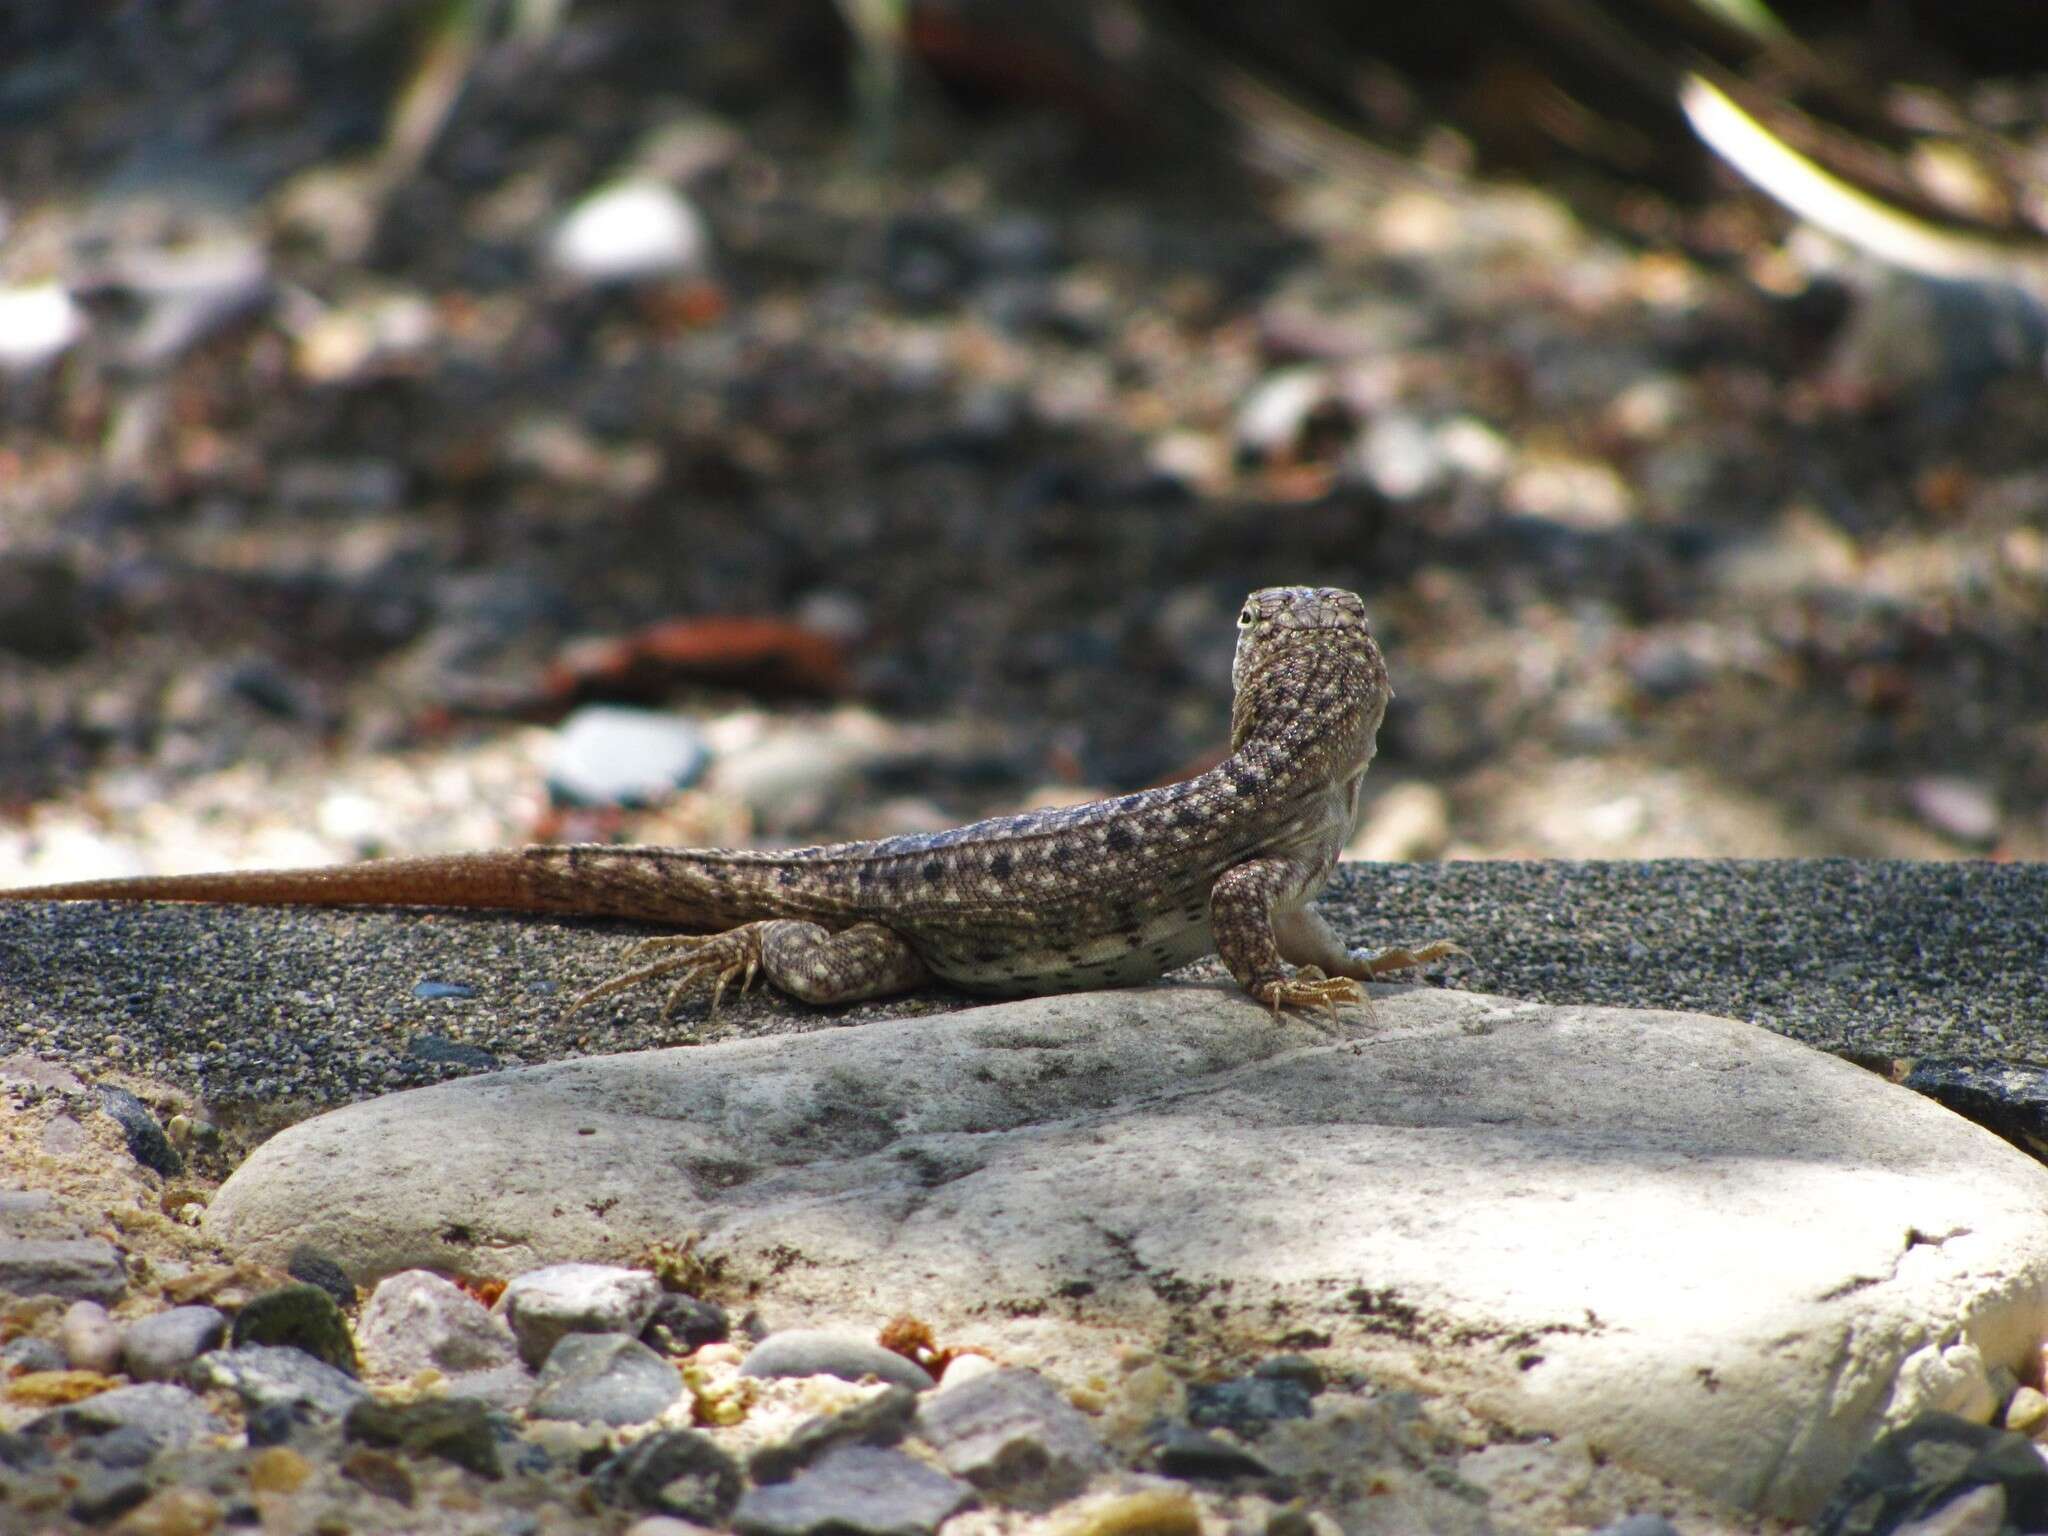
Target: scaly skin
column 1099, row 895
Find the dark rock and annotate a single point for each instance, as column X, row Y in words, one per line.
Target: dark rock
column 276, row 1423
column 856, row 1490
column 1639, row 1525
column 443, row 1051
column 683, row 1324
column 456, row 1429
column 302, row 1317
column 1918, row 1468
column 147, row 1143
column 878, row 1420
column 676, row 1472
column 604, row 1378
column 309, row 1266
column 107, row 1493
column 43, row 610
column 1245, row 1405
column 1179, row 1451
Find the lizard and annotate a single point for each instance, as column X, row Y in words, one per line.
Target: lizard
column 1109, row 893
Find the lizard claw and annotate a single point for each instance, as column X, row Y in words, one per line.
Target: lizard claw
column 1394, row 957
column 1310, row 988
column 692, row 959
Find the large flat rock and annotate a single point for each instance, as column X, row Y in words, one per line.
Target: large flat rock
column 1720, row 1255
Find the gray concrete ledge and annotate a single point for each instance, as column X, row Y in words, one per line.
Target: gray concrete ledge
column 1940, row 963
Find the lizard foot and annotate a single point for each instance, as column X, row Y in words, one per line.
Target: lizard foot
column 1310, row 988
column 723, row 958
column 1395, row 958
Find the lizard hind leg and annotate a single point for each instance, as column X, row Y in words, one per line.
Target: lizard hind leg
column 805, row 960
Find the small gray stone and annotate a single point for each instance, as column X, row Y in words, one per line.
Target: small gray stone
column 91, row 1339
column 416, row 1320
column 1014, row 1436
column 675, row 1472
column 1639, row 1525
column 682, row 1324
column 878, row 1420
column 544, row 1304
column 821, row 1352
column 31, row 1354
column 147, row 1143
column 158, row 1348
column 604, row 1378
column 86, row 1267
column 169, row 1416
column 508, row 1387
column 276, row 1374
column 856, row 1490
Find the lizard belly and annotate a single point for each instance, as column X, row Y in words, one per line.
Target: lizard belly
column 1034, row 964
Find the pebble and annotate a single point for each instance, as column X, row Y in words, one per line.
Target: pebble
column 86, row 1267
column 1014, row 1437
column 168, row 1416
column 38, row 323
column 302, row 1317
column 1920, row 1470
column 1140, row 1512
column 604, row 1378
column 2026, row 1410
column 91, row 1339
column 606, row 754
column 679, row 1473
column 1179, row 1451
column 147, row 1143
column 159, row 1347
column 172, row 1512
column 824, row 1352
column 1278, row 1389
column 856, row 1490
column 878, row 1420
column 455, row 1430
column 630, row 230
column 544, row 1304
column 415, row 1320
column 1639, row 1525
column 276, row 1375
column 1959, row 808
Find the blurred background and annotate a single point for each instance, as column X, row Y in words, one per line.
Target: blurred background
column 441, row 426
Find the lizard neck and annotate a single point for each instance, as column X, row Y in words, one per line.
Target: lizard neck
column 1312, row 710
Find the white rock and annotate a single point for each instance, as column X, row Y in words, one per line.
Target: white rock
column 543, row 1304
column 1714, row 1248
column 632, row 229
column 38, row 323
column 91, row 1339
column 417, row 1320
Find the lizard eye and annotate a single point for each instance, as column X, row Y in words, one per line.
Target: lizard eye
column 1244, row 619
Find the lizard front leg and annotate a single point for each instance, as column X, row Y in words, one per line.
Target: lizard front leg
column 1242, row 916
column 1305, row 937
column 811, row 963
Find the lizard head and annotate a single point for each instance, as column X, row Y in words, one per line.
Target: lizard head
column 1277, row 619
column 1307, row 667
